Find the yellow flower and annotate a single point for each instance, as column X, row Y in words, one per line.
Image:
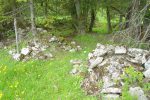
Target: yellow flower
column 11, row 86
column 1, row 94
column 16, row 84
column 22, row 92
column 3, row 69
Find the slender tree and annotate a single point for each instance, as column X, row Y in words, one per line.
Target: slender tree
column 15, row 25
column 33, row 26
column 109, row 27
column 93, row 17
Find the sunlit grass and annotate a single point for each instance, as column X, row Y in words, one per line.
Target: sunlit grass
column 45, row 80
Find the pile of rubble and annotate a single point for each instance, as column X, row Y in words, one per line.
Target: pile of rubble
column 37, row 50
column 71, row 47
column 77, row 65
column 33, row 50
column 107, row 64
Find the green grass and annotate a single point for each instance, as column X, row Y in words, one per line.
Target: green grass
column 40, row 80
column 45, row 80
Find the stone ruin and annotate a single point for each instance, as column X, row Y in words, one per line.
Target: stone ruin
column 37, row 50
column 71, row 46
column 106, row 64
column 33, row 50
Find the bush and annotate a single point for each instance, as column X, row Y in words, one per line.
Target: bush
column 130, row 77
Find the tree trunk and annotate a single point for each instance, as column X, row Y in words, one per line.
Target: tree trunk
column 45, row 8
column 16, row 34
column 78, row 18
column 92, row 20
column 109, row 27
column 33, row 27
column 146, row 18
column 134, row 22
column 74, row 17
column 120, row 22
column 15, row 26
column 128, row 17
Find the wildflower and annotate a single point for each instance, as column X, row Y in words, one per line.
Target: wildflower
column 22, row 92
column 1, row 94
column 16, row 84
column 11, row 86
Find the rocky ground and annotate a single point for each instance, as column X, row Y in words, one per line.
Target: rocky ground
column 40, row 50
column 107, row 64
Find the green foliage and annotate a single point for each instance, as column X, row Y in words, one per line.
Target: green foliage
column 45, row 22
column 9, row 34
column 53, row 21
column 126, row 95
column 132, row 77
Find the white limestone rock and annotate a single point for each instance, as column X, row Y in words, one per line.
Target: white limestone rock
column 53, row 39
column 111, row 97
column 17, row 57
column 95, row 63
column 138, row 92
column 79, row 48
column 12, row 52
column 133, row 52
column 34, row 48
column 99, row 52
column 120, row 50
column 134, row 60
column 90, row 55
column 100, row 46
column 116, row 75
column 111, row 90
column 72, row 50
column 147, row 65
column 49, row 55
column 39, row 30
column 25, row 51
column 44, row 31
column 73, row 42
column 74, row 71
column 107, row 82
column 76, row 62
column 147, row 73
